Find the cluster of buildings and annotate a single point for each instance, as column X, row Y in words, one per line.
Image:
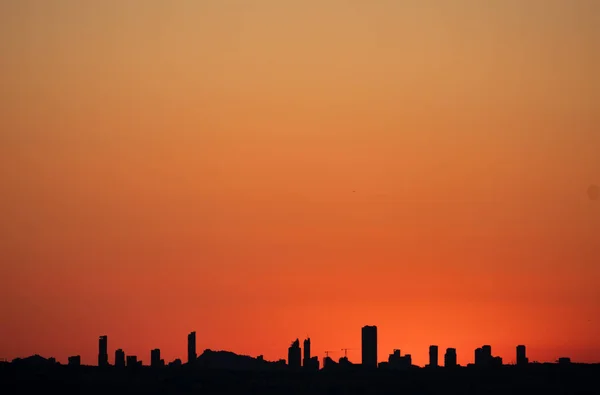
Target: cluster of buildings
column 297, row 360
column 122, row 360
column 369, row 356
column 370, row 360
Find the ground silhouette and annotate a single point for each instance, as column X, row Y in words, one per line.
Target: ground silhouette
column 221, row 372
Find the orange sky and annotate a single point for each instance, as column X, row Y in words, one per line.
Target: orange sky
column 266, row 170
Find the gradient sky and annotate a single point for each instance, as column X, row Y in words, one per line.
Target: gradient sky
column 264, row 170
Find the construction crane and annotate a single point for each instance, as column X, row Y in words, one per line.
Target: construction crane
column 327, row 352
column 345, row 350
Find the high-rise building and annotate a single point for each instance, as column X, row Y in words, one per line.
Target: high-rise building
column 433, row 356
column 369, row 346
column 294, row 355
column 103, row 351
column 484, row 357
column 306, row 359
column 522, row 355
column 120, row 358
column 487, row 351
column 479, row 357
column 155, row 358
column 192, row 347
column 450, row 358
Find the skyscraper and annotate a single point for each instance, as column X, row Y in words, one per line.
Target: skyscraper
column 294, row 355
column 155, row 358
column 450, row 358
column 433, row 356
column 306, row 360
column 103, row 351
column 369, row 346
column 479, row 356
column 487, row 351
column 192, row 347
column 483, row 356
column 522, row 355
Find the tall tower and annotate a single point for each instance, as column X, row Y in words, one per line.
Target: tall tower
column 103, row 351
column 479, row 360
column 369, row 346
column 192, row 347
column 306, row 360
column 433, row 356
column 522, row 355
column 294, row 355
column 450, row 358
column 155, row 358
column 483, row 356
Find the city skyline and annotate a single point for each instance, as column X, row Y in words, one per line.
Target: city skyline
column 263, row 170
column 303, row 356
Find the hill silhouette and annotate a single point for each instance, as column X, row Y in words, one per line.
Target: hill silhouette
column 227, row 360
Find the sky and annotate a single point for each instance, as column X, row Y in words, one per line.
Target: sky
column 261, row 171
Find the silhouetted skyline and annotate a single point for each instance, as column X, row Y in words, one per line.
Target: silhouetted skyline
column 302, row 358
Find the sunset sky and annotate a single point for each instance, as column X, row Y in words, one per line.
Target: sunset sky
column 263, row 170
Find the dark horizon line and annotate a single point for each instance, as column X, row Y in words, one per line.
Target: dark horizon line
column 295, row 360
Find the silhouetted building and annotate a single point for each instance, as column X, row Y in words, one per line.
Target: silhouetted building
column 344, row 363
column 312, row 364
column 103, row 351
column 398, row 361
column 487, row 350
column 433, row 356
column 176, row 362
column 75, row 360
column 408, row 360
column 192, row 356
column 294, row 355
column 478, row 356
column 522, row 355
column 155, row 360
column 132, row 361
column 486, row 354
column 306, row 358
column 369, row 347
column 564, row 360
column 120, row 358
column 329, row 363
column 484, row 357
column 496, row 361
column 308, row 362
column 450, row 358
